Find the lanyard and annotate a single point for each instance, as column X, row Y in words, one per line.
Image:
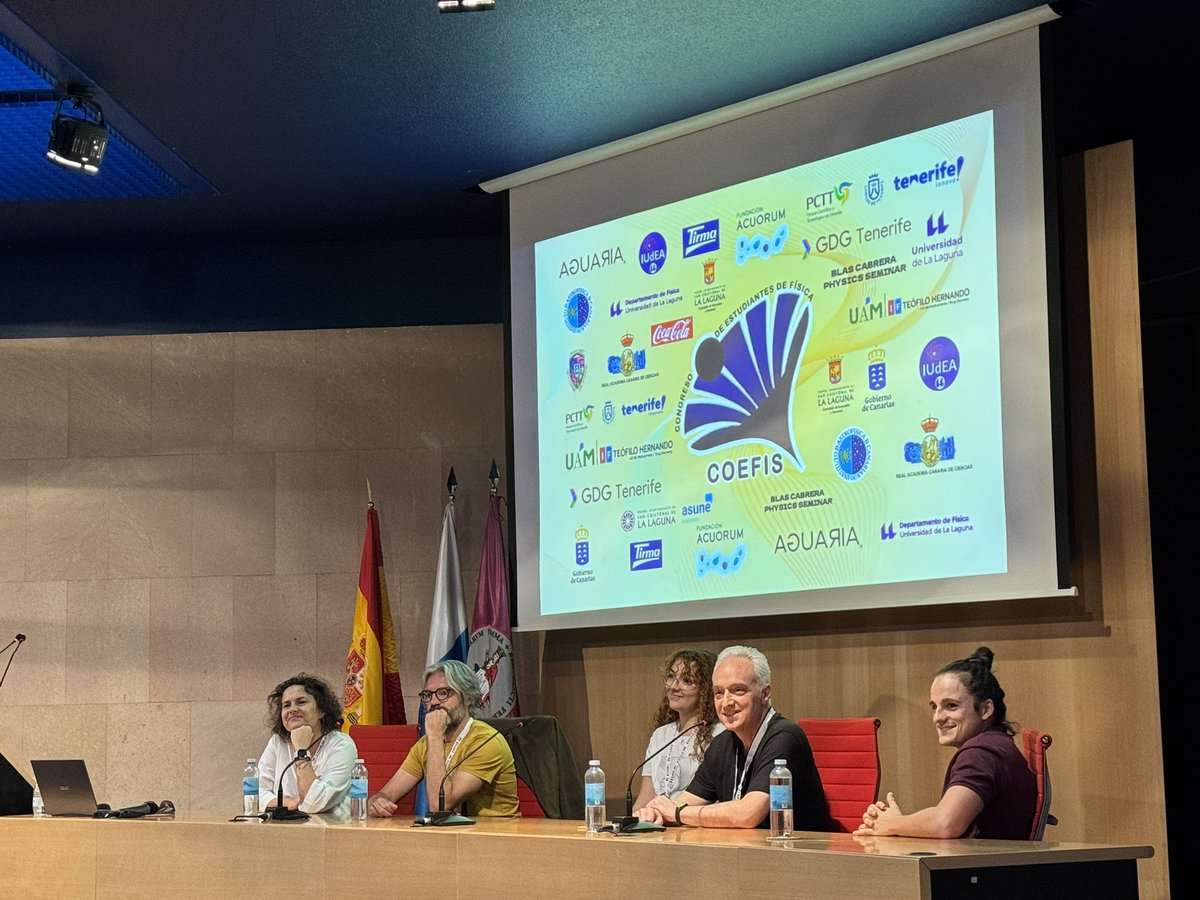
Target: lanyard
column 458, row 740
column 738, row 778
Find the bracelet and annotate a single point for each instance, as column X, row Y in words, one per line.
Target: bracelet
column 680, row 808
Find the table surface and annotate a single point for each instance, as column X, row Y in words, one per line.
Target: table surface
column 206, row 855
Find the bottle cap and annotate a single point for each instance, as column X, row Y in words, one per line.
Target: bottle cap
column 359, row 759
column 781, row 762
column 593, row 762
column 251, row 762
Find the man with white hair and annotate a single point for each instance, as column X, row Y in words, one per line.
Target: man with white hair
column 459, row 754
column 732, row 786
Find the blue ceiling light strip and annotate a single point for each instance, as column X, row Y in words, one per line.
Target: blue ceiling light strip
column 18, row 72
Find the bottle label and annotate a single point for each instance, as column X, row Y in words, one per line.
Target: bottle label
column 781, row 796
column 358, row 789
column 594, row 794
column 249, row 785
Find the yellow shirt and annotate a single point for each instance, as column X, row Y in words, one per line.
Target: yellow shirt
column 492, row 764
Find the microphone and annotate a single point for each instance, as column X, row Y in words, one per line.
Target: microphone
column 449, row 817
column 622, row 823
column 148, row 808
column 18, row 640
column 281, row 813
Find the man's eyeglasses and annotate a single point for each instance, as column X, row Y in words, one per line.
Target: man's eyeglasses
column 443, row 694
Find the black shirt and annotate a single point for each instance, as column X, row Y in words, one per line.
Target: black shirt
column 784, row 739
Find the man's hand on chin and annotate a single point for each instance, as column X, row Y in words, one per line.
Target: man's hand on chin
column 436, row 721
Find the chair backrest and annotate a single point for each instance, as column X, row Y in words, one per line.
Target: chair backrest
column 1034, row 744
column 528, row 802
column 383, row 748
column 846, row 752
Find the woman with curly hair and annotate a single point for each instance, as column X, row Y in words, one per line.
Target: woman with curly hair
column 305, row 714
column 687, row 700
column 989, row 791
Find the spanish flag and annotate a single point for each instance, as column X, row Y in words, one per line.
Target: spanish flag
column 372, row 695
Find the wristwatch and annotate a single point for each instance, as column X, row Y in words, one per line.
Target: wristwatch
column 680, row 808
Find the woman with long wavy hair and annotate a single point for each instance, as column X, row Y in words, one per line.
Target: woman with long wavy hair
column 686, row 701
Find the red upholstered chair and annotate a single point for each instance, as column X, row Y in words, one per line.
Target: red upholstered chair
column 846, row 752
column 1034, row 744
column 383, row 748
column 528, row 801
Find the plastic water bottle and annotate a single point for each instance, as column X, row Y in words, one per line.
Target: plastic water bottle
column 358, row 792
column 39, row 808
column 781, row 800
column 250, row 788
column 593, row 797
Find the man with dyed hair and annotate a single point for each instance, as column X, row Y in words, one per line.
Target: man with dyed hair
column 482, row 779
column 732, row 786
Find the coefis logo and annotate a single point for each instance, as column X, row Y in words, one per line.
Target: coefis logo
column 577, row 311
column 939, row 364
column 702, row 238
column 944, row 172
column 653, row 253
column 644, row 555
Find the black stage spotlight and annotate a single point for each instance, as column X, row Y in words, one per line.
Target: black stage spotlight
column 78, row 141
column 457, row 6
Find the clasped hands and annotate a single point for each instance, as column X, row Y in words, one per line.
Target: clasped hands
column 877, row 814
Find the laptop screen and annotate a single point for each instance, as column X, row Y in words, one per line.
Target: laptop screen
column 65, row 786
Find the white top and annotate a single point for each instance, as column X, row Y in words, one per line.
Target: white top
column 332, row 761
column 673, row 770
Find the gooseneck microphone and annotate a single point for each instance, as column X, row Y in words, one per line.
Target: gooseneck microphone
column 448, row 817
column 622, row 823
column 281, row 813
column 18, row 640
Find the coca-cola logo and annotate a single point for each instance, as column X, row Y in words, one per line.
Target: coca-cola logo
column 669, row 332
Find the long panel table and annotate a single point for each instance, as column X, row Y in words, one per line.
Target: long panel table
column 198, row 856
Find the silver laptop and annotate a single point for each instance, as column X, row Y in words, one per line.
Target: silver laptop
column 65, row 786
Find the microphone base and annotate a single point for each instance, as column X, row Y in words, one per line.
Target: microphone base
column 633, row 825
column 283, row 814
column 443, row 818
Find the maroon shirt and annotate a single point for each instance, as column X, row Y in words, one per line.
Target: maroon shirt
column 991, row 765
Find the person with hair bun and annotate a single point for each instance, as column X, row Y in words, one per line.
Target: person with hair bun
column 989, row 791
column 687, row 701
